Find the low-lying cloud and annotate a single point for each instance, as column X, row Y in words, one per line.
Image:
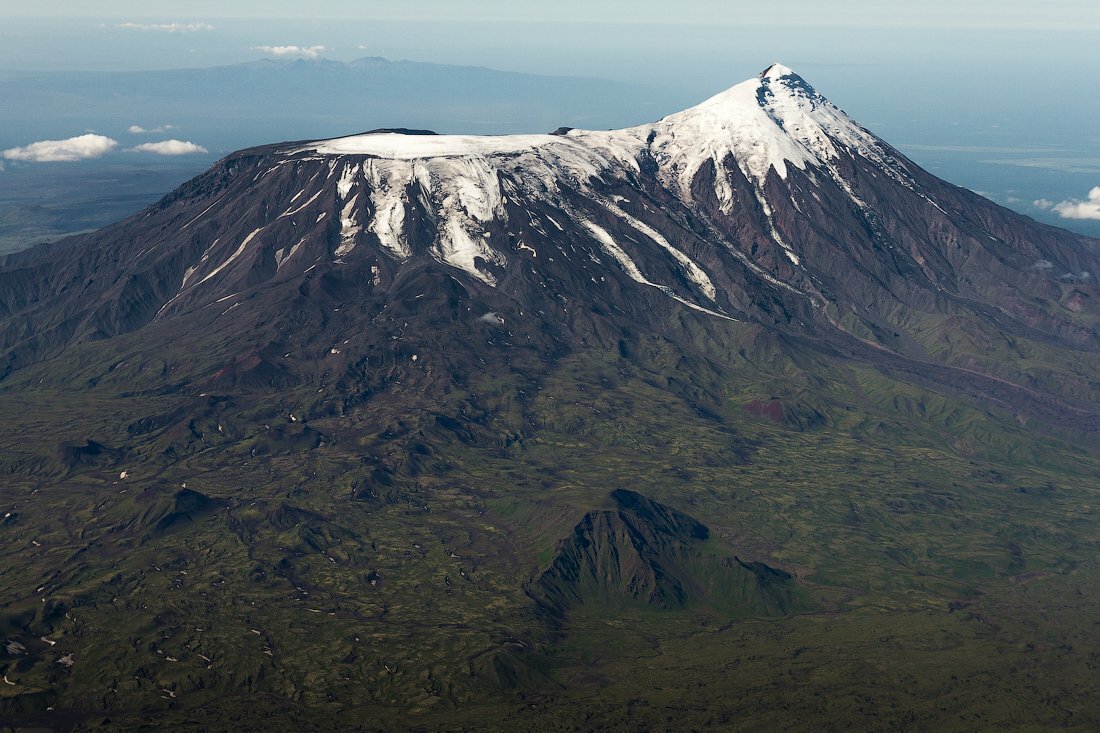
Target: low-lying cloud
column 1089, row 208
column 81, row 147
column 139, row 130
column 170, row 147
column 167, row 27
column 299, row 52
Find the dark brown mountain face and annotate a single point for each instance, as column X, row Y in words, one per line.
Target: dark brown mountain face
column 327, row 433
column 764, row 206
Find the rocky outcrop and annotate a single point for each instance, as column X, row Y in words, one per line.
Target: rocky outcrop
column 642, row 553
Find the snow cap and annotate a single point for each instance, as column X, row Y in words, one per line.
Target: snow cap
column 776, row 71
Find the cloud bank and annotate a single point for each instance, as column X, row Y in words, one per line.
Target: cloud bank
column 300, row 52
column 167, row 27
column 139, row 130
column 1088, row 209
column 1075, row 208
column 170, row 147
column 80, row 147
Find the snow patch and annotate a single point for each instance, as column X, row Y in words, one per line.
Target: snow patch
column 466, row 195
column 396, row 146
column 691, row 270
column 776, row 237
column 280, row 260
column 292, row 212
column 349, row 227
column 388, row 186
column 201, row 215
column 612, row 248
column 232, row 257
column 347, row 180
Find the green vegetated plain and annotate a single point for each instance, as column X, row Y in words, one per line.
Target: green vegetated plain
column 755, row 540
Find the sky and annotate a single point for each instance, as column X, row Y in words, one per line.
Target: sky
column 1028, row 14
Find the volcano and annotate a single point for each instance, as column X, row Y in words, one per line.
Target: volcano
column 403, row 382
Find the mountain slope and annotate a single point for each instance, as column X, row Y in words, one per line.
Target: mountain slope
column 331, row 428
column 765, row 205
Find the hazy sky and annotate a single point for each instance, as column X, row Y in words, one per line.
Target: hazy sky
column 934, row 13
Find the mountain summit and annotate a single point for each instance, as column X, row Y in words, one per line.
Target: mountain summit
column 415, row 430
column 761, row 125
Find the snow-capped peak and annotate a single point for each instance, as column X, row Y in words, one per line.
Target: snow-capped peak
column 770, row 122
column 766, row 122
column 776, row 71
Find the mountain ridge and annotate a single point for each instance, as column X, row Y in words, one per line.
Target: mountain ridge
column 632, row 208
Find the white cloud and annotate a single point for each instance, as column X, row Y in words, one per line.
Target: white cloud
column 53, row 151
column 1043, row 204
column 167, row 27
column 300, row 52
column 1087, row 209
column 169, row 147
column 139, row 130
